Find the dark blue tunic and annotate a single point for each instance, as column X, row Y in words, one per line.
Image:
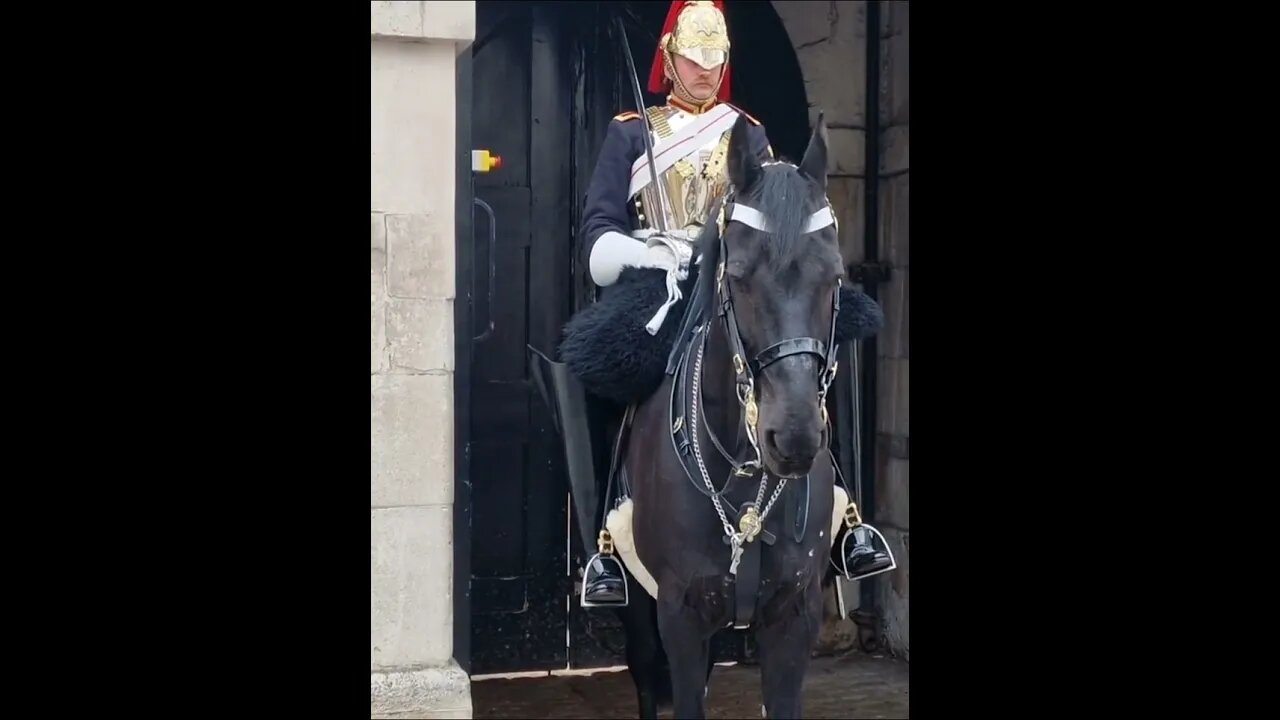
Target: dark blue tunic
column 608, row 204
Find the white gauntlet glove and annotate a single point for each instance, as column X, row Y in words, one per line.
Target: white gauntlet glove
column 671, row 254
column 658, row 255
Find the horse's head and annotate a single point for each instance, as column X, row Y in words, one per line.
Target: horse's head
column 779, row 293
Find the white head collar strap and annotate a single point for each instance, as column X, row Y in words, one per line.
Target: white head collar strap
column 751, row 217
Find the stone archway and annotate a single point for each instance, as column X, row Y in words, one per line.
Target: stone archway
column 829, row 38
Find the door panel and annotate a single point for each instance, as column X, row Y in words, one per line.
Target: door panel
column 518, row 580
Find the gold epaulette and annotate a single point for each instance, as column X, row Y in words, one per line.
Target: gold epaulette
column 622, row 117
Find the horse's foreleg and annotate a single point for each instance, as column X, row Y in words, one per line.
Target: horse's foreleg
column 784, row 646
column 688, row 649
column 644, row 655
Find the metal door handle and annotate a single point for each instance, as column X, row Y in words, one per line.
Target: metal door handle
column 493, row 260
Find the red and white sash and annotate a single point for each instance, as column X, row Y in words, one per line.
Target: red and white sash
column 701, row 131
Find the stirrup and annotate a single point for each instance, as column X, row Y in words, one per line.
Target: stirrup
column 605, row 555
column 853, row 520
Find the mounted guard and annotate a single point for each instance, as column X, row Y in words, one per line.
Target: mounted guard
column 657, row 178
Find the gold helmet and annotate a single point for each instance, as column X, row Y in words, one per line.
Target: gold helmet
column 695, row 29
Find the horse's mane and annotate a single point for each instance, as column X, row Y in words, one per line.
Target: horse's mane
column 782, row 194
column 784, row 199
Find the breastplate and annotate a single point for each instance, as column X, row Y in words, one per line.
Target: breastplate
column 692, row 184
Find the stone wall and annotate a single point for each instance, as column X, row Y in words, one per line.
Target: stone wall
column 830, row 41
column 893, row 424
column 413, row 54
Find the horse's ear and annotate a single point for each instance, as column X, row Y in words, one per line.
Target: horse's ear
column 815, row 156
column 744, row 166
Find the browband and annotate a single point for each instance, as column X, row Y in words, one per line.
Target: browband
column 753, row 218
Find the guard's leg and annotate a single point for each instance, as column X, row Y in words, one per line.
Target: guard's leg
column 860, row 555
column 856, row 553
column 785, row 646
column 574, row 414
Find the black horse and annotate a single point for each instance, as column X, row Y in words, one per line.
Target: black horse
column 731, row 486
column 722, row 463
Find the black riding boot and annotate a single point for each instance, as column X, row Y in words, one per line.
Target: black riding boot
column 860, row 556
column 603, row 580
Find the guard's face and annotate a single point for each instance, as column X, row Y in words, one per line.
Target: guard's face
column 701, row 82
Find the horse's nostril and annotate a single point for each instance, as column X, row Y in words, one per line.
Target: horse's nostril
column 771, row 437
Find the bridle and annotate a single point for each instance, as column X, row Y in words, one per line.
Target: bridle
column 748, row 371
column 684, row 435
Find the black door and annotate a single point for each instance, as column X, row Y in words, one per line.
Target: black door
column 546, row 79
column 519, row 578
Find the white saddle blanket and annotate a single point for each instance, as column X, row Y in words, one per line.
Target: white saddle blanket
column 619, row 524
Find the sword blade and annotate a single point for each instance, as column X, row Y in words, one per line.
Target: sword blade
column 661, row 220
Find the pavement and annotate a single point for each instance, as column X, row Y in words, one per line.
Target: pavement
column 855, row 685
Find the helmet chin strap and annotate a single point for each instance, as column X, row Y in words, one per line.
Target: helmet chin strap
column 682, row 92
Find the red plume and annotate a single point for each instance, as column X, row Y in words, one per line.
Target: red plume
column 657, row 79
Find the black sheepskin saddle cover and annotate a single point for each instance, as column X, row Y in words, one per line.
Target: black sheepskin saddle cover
column 608, row 348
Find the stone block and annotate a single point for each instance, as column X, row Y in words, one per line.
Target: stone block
column 893, row 396
column 894, row 340
column 895, row 150
column 412, row 586
column 378, row 294
column 893, row 494
column 411, row 440
column 396, row 19
column 808, row 22
column 412, row 128
column 377, row 321
column 895, row 81
column 835, row 79
column 453, row 20
column 895, row 220
column 378, row 232
column 420, row 257
column 420, row 335
column 436, row 692
column 847, row 200
column 895, row 596
column 894, row 17
column 847, row 151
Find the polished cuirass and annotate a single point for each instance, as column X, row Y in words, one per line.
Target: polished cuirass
column 691, row 185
